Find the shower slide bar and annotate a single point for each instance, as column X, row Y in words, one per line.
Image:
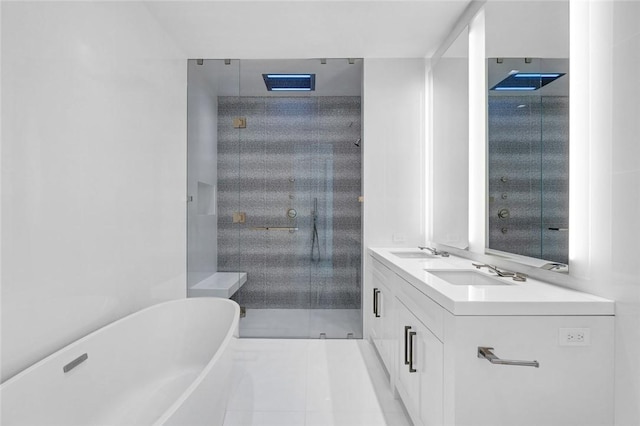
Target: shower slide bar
column 315, row 239
column 273, row 228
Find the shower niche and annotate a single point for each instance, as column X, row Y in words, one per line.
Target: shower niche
column 292, row 171
column 206, row 199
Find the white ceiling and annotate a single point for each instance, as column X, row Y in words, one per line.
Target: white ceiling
column 308, row 29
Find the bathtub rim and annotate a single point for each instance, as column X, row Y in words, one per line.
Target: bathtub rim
column 232, row 332
column 225, row 342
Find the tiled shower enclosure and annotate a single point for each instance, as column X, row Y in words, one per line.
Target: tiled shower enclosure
column 294, row 176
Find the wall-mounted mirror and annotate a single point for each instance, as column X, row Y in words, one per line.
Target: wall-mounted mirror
column 524, row 195
column 508, row 200
column 450, row 144
column 528, row 157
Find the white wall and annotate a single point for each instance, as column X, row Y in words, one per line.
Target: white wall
column 450, row 149
column 605, row 156
column 93, row 171
column 533, row 29
column 393, row 156
column 393, row 150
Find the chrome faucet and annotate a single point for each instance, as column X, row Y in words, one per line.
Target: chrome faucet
column 494, row 269
column 554, row 266
column 435, row 252
column 517, row 276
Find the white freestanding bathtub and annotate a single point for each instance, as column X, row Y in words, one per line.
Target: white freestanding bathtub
column 169, row 364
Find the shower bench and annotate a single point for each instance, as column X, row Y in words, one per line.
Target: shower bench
column 218, row 284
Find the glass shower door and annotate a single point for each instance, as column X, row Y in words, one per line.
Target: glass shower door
column 288, row 171
column 337, row 260
column 275, row 189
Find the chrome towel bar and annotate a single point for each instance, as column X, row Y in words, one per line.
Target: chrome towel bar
column 273, row 228
column 486, row 353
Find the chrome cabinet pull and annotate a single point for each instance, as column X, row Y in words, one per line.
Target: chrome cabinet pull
column 411, row 336
column 406, row 343
column 486, row 353
column 375, row 302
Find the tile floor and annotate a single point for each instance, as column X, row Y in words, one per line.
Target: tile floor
column 302, row 323
column 311, row 383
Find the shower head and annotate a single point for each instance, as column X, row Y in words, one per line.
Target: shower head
column 357, row 142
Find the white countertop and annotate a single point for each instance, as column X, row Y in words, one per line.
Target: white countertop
column 532, row 297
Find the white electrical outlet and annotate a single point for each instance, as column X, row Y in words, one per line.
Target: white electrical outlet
column 398, row 238
column 574, row 336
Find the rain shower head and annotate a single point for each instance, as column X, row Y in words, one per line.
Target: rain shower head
column 290, row 82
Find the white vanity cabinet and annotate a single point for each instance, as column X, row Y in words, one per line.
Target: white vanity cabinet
column 383, row 314
column 431, row 354
column 410, row 350
column 573, row 384
column 419, row 376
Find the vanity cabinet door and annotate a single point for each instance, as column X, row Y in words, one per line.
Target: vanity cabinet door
column 382, row 311
column 573, row 384
column 430, row 362
column 420, row 369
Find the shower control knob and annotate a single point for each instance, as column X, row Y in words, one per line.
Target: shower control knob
column 503, row 213
column 292, row 213
column 503, row 179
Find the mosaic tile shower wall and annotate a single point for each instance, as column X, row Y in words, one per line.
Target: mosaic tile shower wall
column 296, row 157
column 529, row 175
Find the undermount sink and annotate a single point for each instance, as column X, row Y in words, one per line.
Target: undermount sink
column 413, row 254
column 467, row 277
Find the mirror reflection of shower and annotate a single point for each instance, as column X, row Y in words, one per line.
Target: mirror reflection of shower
column 528, row 157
